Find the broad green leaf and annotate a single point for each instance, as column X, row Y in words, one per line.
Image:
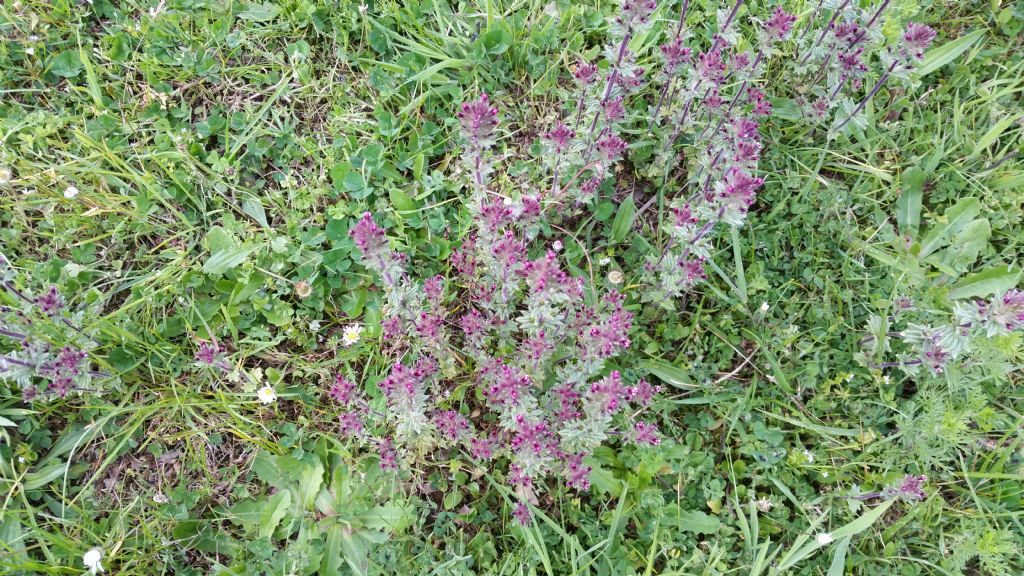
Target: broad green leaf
column 43, row 476
column 838, row 566
column 333, row 556
column 698, row 522
column 254, row 208
column 401, row 201
column 623, row 222
column 952, row 221
column 260, row 12
column 669, row 374
column 356, row 552
column 985, row 283
column 966, row 246
column 908, row 205
column 67, row 64
column 385, row 518
column 938, row 57
column 225, row 260
column 218, row 239
column 274, row 510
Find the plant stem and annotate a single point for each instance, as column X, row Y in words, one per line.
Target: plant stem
column 864, row 102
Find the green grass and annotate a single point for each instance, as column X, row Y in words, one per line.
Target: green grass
column 263, row 128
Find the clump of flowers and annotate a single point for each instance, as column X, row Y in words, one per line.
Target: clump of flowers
column 533, row 341
column 835, row 58
column 931, row 342
column 30, row 329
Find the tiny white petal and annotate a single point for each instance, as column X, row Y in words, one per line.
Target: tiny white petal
column 91, row 559
column 266, row 395
column 764, row 306
column 824, row 538
column 70, row 192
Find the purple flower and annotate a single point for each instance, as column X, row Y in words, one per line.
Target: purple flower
column 479, row 120
column 740, row 188
column 643, row 393
column 644, row 433
column 585, row 73
column 675, row 55
column 50, row 303
column 635, row 13
column 434, row 288
column 568, row 399
column 560, row 137
column 761, row 105
column 352, row 425
column 577, row 475
column 207, row 353
column 910, row 489
column 917, row 38
column 342, row 391
column 607, row 394
column 613, row 109
column 607, row 334
column 779, row 25
column 493, row 215
column 482, row 448
column 451, row 424
column 711, row 67
column 533, row 437
column 507, row 385
column 368, row 236
column 521, row 513
column 544, row 274
column 684, row 216
column 388, row 455
column 611, row 148
column 590, row 186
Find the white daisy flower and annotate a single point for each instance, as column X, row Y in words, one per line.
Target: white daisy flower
column 91, row 559
column 70, row 192
column 351, row 334
column 266, row 395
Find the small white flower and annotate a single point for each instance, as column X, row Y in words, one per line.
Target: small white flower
column 764, row 504
column 160, row 498
column 885, row 379
column 615, row 277
column 506, row 201
column 363, row 8
column 824, row 538
column 266, row 395
column 604, row 261
column 849, row 378
column 558, row 246
column 70, row 192
column 91, row 559
column 764, row 307
column 809, row 456
column 824, row 474
column 21, row 459
column 30, row 50
column 351, row 334
column 314, row 326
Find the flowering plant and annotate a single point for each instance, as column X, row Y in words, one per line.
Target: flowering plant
column 50, row 354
